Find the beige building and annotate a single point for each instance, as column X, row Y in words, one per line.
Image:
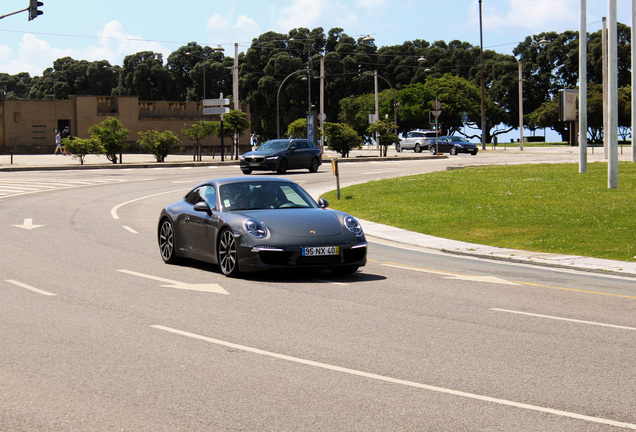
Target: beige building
column 29, row 126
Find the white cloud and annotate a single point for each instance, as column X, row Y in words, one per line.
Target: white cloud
column 533, row 16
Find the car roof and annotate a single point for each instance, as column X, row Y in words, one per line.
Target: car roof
column 244, row 179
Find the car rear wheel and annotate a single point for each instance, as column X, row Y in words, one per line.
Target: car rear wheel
column 314, row 165
column 418, row 148
column 433, row 149
column 228, row 254
column 282, row 167
column 454, row 151
column 398, row 148
column 166, row 242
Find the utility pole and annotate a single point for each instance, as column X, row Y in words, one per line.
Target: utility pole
column 483, row 83
column 583, row 88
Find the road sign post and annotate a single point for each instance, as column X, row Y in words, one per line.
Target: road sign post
column 217, row 107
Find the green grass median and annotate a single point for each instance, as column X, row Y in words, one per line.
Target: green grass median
column 542, row 208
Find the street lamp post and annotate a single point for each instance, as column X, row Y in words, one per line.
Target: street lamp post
column 483, row 82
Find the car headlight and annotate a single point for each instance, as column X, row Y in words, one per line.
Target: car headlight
column 272, row 158
column 255, row 228
column 353, row 225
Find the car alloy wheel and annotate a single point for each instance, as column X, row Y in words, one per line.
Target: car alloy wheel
column 418, row 149
column 454, row 151
column 166, row 242
column 282, row 167
column 398, row 148
column 228, row 255
column 314, row 165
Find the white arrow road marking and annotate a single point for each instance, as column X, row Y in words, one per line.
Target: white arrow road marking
column 28, row 224
column 212, row 288
column 450, row 275
column 29, row 287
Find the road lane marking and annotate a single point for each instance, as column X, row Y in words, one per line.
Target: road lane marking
column 564, row 319
column 113, row 211
column 451, row 275
column 398, row 381
column 127, row 228
column 577, row 290
column 207, row 287
column 29, row 287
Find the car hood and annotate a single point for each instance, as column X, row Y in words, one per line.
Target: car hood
column 298, row 222
column 263, row 154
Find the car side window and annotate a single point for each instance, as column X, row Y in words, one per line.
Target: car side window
column 194, row 196
column 209, row 194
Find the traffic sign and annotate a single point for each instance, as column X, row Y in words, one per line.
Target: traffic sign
column 216, row 102
column 437, row 113
column 437, row 105
column 216, row 110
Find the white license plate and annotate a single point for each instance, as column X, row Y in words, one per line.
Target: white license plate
column 320, row 251
column 254, row 163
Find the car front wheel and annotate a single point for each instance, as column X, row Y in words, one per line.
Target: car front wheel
column 282, row 167
column 454, row 151
column 228, row 254
column 418, row 148
column 166, row 242
column 398, row 148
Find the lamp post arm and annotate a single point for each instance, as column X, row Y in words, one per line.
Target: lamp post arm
column 278, row 97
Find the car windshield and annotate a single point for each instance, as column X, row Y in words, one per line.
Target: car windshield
column 458, row 139
column 259, row 195
column 274, row 145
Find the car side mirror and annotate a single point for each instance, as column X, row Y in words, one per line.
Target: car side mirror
column 323, row 203
column 202, row 206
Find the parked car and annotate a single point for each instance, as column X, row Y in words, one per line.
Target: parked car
column 416, row 140
column 281, row 155
column 259, row 223
column 453, row 145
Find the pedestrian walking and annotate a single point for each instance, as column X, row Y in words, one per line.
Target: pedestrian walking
column 58, row 142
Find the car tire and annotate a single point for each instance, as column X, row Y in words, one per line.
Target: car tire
column 454, row 151
column 314, row 165
column 474, row 153
column 247, row 171
column 433, row 149
column 228, row 254
column 282, row 167
column 167, row 242
column 418, row 148
column 398, row 147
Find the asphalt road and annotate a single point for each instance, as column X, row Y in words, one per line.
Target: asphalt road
column 99, row 335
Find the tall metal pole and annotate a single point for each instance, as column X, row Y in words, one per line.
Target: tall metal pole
column 377, row 106
column 583, row 88
column 483, row 83
column 605, row 87
column 633, row 80
column 612, row 57
column 520, row 106
column 322, row 103
column 235, row 79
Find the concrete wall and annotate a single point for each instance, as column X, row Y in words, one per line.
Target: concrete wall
column 28, row 126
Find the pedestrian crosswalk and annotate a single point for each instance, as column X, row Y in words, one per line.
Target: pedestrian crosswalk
column 11, row 188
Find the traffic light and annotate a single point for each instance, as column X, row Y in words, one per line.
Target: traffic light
column 359, row 71
column 33, row 9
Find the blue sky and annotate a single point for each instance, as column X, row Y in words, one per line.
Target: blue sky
column 110, row 30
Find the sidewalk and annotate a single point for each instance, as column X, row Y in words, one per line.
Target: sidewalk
column 372, row 229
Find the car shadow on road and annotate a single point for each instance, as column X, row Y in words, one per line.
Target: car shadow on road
column 291, row 276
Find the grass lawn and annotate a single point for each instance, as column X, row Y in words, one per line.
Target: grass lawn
column 544, row 207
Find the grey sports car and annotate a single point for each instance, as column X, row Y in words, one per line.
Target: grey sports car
column 260, row 223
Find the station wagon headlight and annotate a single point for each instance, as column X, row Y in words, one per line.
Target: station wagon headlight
column 255, row 228
column 353, row 225
column 272, row 157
